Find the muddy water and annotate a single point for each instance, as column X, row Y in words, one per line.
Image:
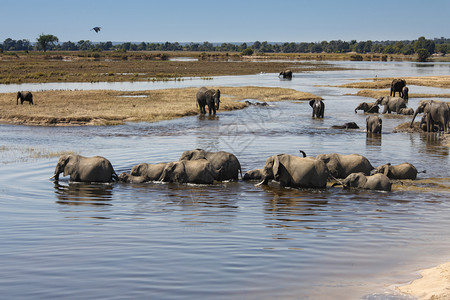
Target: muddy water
column 228, row 240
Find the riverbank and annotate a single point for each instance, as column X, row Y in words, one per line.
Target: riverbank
column 433, row 284
column 75, row 108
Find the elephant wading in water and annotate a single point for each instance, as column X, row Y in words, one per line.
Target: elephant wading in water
column 198, row 171
column 24, row 96
column 373, row 124
column 143, row 173
column 391, row 104
column 295, row 172
column 286, row 74
column 401, row 171
column 226, row 164
column 208, row 97
column 379, row 182
column 256, row 174
column 85, row 169
column 340, row 166
column 436, row 113
column 318, row 108
column 397, row 85
column 368, row 107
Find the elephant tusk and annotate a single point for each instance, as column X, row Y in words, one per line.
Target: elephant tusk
column 53, row 177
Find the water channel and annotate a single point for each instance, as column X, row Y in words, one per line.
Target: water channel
column 231, row 239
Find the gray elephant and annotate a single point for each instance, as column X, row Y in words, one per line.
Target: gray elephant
column 226, row 164
column 208, row 97
column 85, row 169
column 379, row 182
column 256, row 174
column 391, row 104
column 368, row 107
column 401, row 171
column 406, row 111
column 198, row 171
column 437, row 113
column 374, row 124
column 150, row 172
column 128, row 178
column 286, row 74
column 24, row 96
column 397, row 85
column 295, row 172
column 405, row 92
column 348, row 125
column 318, row 108
column 340, row 166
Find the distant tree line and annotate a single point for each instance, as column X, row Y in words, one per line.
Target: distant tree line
column 50, row 42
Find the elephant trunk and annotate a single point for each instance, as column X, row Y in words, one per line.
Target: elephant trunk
column 412, row 121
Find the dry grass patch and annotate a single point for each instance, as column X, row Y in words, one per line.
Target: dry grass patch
column 382, row 83
column 66, row 108
column 379, row 93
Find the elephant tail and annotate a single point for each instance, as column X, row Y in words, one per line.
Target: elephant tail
column 115, row 177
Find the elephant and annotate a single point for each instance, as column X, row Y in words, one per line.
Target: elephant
column 150, row 172
column 318, row 108
column 85, row 169
column 286, row 74
column 340, row 166
column 125, row 177
column 424, row 122
column 198, row 171
column 348, row 125
column 405, row 92
column 401, row 171
column 295, row 172
column 24, row 96
column 391, row 104
column 397, row 86
column 208, row 97
column 226, row 164
column 368, row 107
column 374, row 124
column 256, row 174
column 437, row 113
column 358, row 180
column 406, row 111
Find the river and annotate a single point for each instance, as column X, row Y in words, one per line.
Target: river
column 231, row 239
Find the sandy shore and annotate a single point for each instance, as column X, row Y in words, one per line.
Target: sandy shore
column 434, row 284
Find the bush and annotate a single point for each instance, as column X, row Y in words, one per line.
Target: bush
column 247, row 52
column 422, row 55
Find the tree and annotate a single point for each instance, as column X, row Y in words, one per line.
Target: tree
column 422, row 55
column 247, row 52
column 46, row 40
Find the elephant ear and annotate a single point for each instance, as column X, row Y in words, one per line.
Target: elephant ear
column 387, row 168
column 276, row 166
column 311, row 103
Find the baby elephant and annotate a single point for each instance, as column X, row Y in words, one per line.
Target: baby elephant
column 318, row 108
column 348, row 125
column 128, row 178
column 379, row 182
column 406, row 111
column 24, row 96
column 373, row 124
column 368, row 107
column 149, row 172
column 253, row 175
column 401, row 171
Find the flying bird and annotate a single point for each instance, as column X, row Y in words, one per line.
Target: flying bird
column 96, row 29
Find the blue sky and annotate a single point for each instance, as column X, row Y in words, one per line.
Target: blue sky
column 225, row 21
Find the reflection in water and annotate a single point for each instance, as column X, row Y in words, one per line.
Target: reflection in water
column 373, row 139
column 77, row 193
column 433, row 144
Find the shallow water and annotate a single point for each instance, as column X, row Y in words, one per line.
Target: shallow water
column 228, row 240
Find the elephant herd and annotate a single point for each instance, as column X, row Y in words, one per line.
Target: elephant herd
column 203, row 167
column 436, row 114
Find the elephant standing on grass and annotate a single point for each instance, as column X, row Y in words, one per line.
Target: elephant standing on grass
column 401, row 171
column 340, row 166
column 226, row 164
column 368, row 107
column 374, row 124
column 286, row 74
column 318, row 108
column 24, row 96
column 379, row 182
column 436, row 113
column 208, row 97
column 391, row 104
column 85, row 169
column 397, row 85
column 295, row 172
column 189, row 171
